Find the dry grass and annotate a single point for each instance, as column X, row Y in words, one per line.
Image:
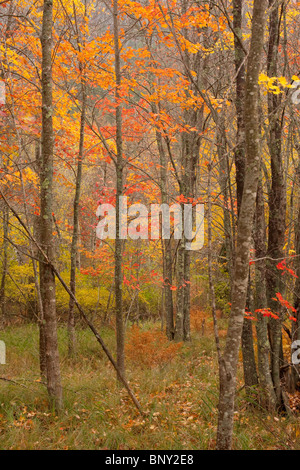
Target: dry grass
column 180, row 400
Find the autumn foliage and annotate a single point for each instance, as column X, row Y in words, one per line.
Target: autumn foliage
column 150, row 348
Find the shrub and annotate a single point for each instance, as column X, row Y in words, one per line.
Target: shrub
column 150, row 348
column 197, row 317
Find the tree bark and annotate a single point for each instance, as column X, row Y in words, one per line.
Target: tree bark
column 267, row 395
column 180, row 291
column 4, row 265
column 166, row 244
column 240, row 69
column 277, row 202
column 249, row 364
column 295, row 376
column 75, row 236
column 47, row 279
column 119, row 174
column 229, row 362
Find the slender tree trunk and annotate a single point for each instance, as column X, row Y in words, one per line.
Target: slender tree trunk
column 190, row 146
column 239, row 153
column 267, row 396
column 277, row 202
column 36, row 254
column 249, row 364
column 167, row 247
column 229, row 362
column 210, row 269
column 119, row 174
column 190, row 153
column 180, row 291
column 41, row 319
column 4, row 264
column 75, row 236
column 295, row 375
column 47, row 279
column 224, row 185
column 168, row 295
column 76, row 228
column 187, row 297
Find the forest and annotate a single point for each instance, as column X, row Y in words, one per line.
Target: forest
column 149, row 225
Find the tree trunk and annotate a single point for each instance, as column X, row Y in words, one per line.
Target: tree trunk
column 75, row 236
column 296, row 326
column 4, row 265
column 224, row 185
column 187, row 297
column 277, row 202
column 166, row 244
column 267, row 395
column 47, row 279
column 229, row 362
column 249, row 364
column 119, row 174
column 36, row 254
column 239, row 152
column 180, row 291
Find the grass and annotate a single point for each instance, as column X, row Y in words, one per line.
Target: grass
column 180, row 398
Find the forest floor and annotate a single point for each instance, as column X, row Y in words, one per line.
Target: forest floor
column 179, row 397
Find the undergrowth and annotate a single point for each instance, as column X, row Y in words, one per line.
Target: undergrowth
column 176, row 384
